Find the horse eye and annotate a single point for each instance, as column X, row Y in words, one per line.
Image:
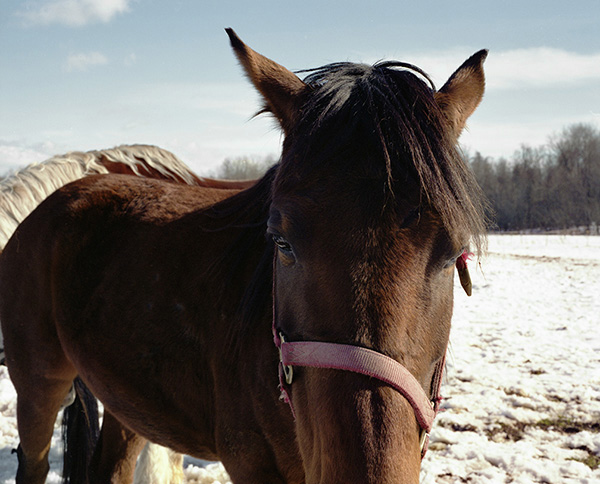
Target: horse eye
column 452, row 262
column 282, row 244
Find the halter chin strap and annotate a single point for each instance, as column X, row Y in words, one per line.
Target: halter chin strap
column 367, row 362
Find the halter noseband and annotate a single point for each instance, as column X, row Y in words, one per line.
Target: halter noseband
column 367, row 362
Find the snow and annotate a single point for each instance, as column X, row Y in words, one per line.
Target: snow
column 524, row 348
column 523, row 383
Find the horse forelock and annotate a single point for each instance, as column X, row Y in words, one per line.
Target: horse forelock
column 382, row 122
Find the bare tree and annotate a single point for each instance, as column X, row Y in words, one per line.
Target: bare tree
column 554, row 186
column 244, row 168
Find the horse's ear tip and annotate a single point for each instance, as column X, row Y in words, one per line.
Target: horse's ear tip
column 233, row 38
column 480, row 56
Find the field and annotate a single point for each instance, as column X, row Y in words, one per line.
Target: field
column 523, row 383
column 523, row 387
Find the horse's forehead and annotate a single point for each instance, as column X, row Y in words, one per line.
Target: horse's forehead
column 318, row 212
column 349, row 201
column 356, row 232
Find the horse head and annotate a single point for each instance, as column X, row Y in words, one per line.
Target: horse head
column 371, row 208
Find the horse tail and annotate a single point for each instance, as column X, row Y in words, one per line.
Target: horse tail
column 158, row 464
column 80, row 432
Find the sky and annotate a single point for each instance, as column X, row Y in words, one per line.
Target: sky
column 93, row 74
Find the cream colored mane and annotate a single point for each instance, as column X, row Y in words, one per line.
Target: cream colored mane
column 22, row 191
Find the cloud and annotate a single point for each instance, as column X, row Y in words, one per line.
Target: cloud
column 535, row 67
column 83, row 61
column 73, row 13
column 542, row 67
column 130, row 59
column 15, row 154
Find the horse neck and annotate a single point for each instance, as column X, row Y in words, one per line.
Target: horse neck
column 241, row 271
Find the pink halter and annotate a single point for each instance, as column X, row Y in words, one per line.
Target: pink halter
column 367, row 362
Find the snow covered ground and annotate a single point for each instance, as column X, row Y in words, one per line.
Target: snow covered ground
column 523, row 386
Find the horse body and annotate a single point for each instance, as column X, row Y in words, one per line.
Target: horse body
column 23, row 191
column 168, row 312
column 189, row 314
column 165, row 298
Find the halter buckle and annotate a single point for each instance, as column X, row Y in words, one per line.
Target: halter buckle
column 288, row 370
column 423, row 441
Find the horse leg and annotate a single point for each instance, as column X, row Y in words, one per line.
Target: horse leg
column 116, row 453
column 37, row 407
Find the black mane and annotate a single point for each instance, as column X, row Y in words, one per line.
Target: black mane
column 383, row 122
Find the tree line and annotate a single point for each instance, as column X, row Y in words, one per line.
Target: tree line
column 244, row 167
column 555, row 186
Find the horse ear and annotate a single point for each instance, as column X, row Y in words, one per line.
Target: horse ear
column 280, row 88
column 463, row 91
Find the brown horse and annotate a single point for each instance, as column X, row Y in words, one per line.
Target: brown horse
column 24, row 190
column 164, row 298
